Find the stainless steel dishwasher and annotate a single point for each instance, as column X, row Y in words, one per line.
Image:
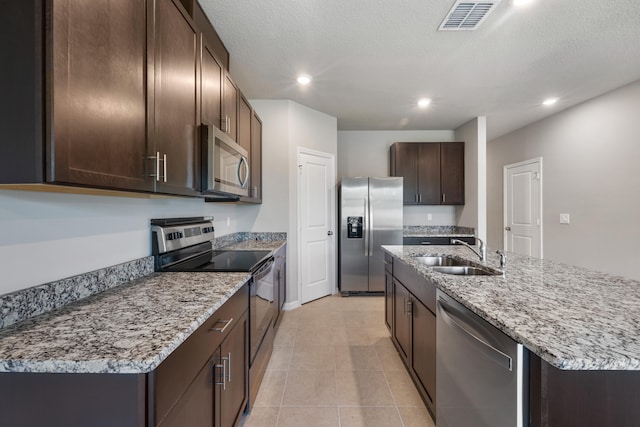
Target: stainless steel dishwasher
column 481, row 373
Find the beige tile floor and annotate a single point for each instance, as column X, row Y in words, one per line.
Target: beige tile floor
column 333, row 365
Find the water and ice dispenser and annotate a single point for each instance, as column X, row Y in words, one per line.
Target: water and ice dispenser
column 354, row 227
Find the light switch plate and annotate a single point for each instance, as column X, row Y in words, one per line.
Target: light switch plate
column 429, row 217
column 564, row 218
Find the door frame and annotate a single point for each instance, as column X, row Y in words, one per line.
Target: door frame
column 505, row 200
column 332, row 209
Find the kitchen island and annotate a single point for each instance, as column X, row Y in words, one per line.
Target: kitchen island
column 581, row 329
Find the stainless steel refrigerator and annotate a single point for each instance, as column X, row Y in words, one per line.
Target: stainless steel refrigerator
column 370, row 216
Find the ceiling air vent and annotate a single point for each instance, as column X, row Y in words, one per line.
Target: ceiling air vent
column 467, row 15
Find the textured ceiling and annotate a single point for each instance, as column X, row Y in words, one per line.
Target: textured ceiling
column 371, row 59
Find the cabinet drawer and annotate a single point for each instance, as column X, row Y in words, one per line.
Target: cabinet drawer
column 174, row 375
column 420, row 287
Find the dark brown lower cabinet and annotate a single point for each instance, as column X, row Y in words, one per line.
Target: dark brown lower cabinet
column 560, row 398
column 423, row 349
column 401, row 321
column 388, row 300
column 233, row 393
column 414, row 327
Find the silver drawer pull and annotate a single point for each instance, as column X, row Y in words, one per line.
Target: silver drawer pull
column 221, row 329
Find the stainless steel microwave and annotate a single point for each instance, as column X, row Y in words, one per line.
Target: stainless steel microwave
column 225, row 163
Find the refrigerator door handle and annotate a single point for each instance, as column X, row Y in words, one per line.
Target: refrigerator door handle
column 371, row 228
column 365, row 226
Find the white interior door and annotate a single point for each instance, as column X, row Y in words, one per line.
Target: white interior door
column 317, row 239
column 523, row 208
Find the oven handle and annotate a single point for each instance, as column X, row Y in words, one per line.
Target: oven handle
column 261, row 272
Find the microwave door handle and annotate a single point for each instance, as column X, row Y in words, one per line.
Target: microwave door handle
column 243, row 182
column 246, row 172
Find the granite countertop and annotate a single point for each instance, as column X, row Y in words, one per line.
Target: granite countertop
column 267, row 245
column 128, row 329
column 573, row 318
column 437, row 231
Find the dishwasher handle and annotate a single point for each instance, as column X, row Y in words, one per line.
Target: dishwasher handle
column 448, row 312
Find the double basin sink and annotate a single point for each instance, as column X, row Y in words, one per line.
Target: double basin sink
column 456, row 266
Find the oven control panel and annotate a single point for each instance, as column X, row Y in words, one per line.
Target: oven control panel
column 168, row 236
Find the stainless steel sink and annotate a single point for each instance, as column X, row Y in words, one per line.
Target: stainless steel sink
column 436, row 261
column 462, row 270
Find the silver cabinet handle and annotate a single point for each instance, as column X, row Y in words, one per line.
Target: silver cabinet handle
column 409, row 307
column 164, row 160
column 222, row 329
column 224, row 377
column 405, row 307
column 446, row 311
column 419, row 197
column 444, row 198
column 229, row 367
column 158, row 166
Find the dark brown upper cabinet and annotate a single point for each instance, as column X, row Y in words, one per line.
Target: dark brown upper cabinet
column 433, row 172
column 108, row 95
column 211, row 78
column 78, row 76
column 176, row 99
column 255, row 192
column 111, row 95
column 229, row 118
column 244, row 122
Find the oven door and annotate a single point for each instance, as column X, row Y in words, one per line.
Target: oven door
column 261, row 306
column 226, row 166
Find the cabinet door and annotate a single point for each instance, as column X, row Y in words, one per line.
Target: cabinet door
column 98, row 134
column 195, row 407
column 452, row 166
column 423, row 348
column 230, row 107
column 404, row 163
column 428, row 174
column 255, row 191
column 244, row 123
column 176, row 98
column 211, row 78
column 233, row 350
column 388, row 300
column 401, row 320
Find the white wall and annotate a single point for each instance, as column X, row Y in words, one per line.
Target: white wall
column 590, row 158
column 287, row 125
column 474, row 211
column 366, row 153
column 48, row 236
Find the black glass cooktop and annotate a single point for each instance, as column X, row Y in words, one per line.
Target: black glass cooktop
column 227, row 261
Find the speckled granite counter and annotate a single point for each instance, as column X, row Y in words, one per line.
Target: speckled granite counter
column 437, row 231
column 572, row 318
column 266, row 245
column 128, row 329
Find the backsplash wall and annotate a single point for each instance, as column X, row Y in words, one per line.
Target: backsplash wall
column 48, row 236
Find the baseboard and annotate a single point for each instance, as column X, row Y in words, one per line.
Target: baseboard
column 291, row 305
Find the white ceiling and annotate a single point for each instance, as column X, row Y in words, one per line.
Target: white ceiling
column 372, row 59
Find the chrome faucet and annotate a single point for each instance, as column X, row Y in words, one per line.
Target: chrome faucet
column 481, row 253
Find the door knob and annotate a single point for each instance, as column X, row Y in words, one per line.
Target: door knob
column 508, row 228
column 329, row 233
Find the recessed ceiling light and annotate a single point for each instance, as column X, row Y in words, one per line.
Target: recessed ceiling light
column 550, row 101
column 521, row 2
column 304, row 79
column 424, row 102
